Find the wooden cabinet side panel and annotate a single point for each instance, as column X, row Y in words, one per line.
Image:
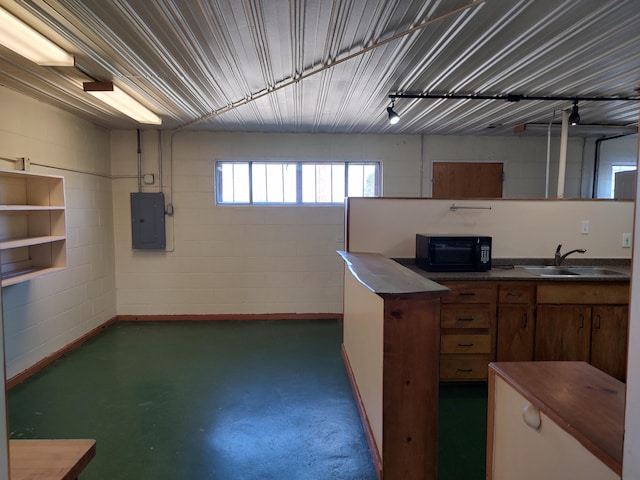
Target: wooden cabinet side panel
column 609, row 331
column 410, row 388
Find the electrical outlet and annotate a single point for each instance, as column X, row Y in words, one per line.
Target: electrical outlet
column 626, row 240
column 584, row 227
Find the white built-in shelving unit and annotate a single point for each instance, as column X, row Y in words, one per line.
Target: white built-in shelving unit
column 32, row 225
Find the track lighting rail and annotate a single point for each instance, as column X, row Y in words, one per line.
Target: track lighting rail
column 510, row 97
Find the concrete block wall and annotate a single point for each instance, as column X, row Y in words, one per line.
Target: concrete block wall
column 44, row 315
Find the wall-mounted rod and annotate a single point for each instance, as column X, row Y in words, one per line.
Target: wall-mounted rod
column 455, row 207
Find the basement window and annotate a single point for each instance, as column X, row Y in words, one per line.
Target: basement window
column 294, row 182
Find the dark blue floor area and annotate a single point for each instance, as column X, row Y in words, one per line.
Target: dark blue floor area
column 203, row 400
column 225, row 401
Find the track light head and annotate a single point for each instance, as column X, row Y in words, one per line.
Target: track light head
column 393, row 116
column 574, row 118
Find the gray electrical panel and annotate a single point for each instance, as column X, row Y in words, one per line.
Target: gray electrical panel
column 147, row 221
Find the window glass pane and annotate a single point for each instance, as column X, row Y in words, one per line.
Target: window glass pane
column 259, row 182
column 290, row 183
column 338, row 191
column 234, row 182
column 356, row 173
column 308, row 183
column 370, row 184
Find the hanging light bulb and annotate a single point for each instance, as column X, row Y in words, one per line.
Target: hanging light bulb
column 574, row 118
column 393, row 116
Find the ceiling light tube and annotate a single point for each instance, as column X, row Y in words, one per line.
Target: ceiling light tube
column 113, row 96
column 25, row 41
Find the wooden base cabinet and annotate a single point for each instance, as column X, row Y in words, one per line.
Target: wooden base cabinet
column 563, row 332
column 516, row 322
column 467, row 327
column 584, row 322
column 609, row 330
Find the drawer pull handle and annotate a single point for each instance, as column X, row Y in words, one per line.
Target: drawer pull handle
column 526, row 321
column 511, row 294
column 581, row 321
column 465, row 319
column 531, row 416
column 467, row 294
column 464, row 370
column 598, row 321
column 465, row 344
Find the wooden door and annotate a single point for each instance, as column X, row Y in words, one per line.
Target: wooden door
column 515, row 333
column 563, row 332
column 609, row 328
column 467, row 180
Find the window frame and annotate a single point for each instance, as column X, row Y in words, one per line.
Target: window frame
column 218, row 180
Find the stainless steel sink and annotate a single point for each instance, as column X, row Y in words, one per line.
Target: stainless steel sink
column 549, row 271
column 595, row 271
column 587, row 271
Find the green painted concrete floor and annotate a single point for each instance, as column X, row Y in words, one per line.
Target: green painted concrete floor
column 224, row 400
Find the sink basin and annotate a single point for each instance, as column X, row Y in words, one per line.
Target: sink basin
column 587, row 271
column 595, row 271
column 550, row 271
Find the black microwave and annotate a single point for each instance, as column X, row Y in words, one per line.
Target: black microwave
column 453, row 253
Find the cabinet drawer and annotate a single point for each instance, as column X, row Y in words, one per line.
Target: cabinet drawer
column 584, row 293
column 464, row 367
column 471, row 292
column 462, row 316
column 465, row 344
column 516, row 293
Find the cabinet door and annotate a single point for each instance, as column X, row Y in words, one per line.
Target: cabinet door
column 563, row 332
column 609, row 339
column 516, row 326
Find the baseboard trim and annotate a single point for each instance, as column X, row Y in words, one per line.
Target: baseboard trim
column 368, row 431
column 36, row 367
column 227, row 316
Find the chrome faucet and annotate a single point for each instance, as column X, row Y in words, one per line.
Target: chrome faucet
column 559, row 258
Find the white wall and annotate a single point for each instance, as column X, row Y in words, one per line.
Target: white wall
column 43, row 315
column 239, row 259
column 252, row 260
column 520, row 228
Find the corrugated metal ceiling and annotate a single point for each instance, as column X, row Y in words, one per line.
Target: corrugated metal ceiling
column 329, row 65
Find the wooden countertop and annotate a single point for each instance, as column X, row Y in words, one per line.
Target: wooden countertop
column 384, row 276
column 582, row 400
column 49, row 459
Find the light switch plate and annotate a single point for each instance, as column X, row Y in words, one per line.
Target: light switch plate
column 626, row 240
column 584, row 227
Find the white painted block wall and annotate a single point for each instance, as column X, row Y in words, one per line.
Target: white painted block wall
column 45, row 314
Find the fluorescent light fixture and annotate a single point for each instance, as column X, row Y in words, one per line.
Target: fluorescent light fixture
column 22, row 39
column 113, row 96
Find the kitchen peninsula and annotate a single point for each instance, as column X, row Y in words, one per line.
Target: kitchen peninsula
column 391, row 350
column 399, row 330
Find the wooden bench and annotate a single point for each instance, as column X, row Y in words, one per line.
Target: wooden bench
column 49, row 459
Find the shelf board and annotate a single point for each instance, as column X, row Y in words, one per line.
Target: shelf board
column 17, row 276
column 29, row 208
column 25, row 242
